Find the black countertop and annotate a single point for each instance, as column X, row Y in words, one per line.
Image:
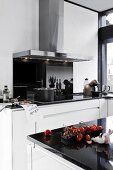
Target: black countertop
column 72, row 98
column 65, row 99
column 92, row 157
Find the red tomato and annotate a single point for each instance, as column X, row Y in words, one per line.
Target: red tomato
column 75, row 131
column 78, row 129
column 79, row 137
column 47, row 132
column 82, row 129
column 87, row 137
column 99, row 128
column 87, row 128
column 93, row 128
column 70, row 129
column 94, row 125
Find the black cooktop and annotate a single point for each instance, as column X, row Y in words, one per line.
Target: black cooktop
column 92, row 157
column 64, row 98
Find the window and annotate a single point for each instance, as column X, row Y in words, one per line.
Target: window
column 110, row 65
column 109, row 19
column 106, row 49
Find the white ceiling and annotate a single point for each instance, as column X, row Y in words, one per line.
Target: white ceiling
column 98, row 5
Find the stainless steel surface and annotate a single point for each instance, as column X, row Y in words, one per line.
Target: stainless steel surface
column 44, row 94
column 51, row 27
column 56, row 56
column 105, row 89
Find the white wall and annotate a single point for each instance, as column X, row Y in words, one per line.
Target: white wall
column 18, row 24
column 19, row 31
column 81, row 37
column 60, row 72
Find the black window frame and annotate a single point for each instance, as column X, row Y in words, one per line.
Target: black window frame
column 105, row 35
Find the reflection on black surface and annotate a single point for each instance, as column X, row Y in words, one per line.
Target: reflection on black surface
column 65, row 98
column 94, row 156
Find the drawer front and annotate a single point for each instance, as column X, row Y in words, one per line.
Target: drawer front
column 68, row 107
column 53, row 121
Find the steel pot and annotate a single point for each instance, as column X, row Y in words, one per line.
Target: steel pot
column 44, row 94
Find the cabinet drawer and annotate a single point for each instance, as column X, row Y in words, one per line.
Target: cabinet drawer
column 53, row 121
column 68, row 107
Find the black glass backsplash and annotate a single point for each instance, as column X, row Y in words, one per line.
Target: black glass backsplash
column 31, row 73
column 28, row 74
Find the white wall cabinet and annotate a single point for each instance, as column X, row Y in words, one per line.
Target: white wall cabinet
column 65, row 114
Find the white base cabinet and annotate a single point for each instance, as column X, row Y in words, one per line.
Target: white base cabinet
column 49, row 161
column 65, row 114
column 110, row 107
column 103, row 103
column 15, row 125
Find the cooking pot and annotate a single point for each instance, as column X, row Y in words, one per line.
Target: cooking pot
column 44, row 94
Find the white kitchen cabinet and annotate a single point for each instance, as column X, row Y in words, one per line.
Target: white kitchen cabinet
column 15, row 125
column 103, row 107
column 43, row 161
column 65, row 114
column 110, row 107
column 19, row 132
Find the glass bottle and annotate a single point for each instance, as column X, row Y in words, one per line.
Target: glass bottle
column 60, row 85
column 57, row 84
column 85, row 88
column 6, row 94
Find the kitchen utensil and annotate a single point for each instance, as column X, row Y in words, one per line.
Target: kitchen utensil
column 52, row 81
column 67, row 87
column 105, row 89
column 95, row 93
column 89, row 89
column 44, row 94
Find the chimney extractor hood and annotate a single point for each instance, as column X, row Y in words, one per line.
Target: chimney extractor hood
column 51, row 34
column 46, row 55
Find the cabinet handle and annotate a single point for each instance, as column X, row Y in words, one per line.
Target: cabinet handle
column 61, row 113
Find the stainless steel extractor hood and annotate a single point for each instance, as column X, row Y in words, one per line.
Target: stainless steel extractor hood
column 51, row 27
column 56, row 56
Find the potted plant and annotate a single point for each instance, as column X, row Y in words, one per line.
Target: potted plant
column 52, row 81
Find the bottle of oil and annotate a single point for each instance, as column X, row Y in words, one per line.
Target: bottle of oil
column 57, row 84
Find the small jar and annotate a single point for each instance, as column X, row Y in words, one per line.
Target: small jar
column 6, row 94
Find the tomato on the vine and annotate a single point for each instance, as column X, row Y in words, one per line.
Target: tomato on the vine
column 47, row 132
column 87, row 137
column 93, row 128
column 75, row 131
column 87, row 128
column 99, row 128
column 79, row 137
column 82, row 130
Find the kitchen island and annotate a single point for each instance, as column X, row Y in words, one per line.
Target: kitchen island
column 79, row 154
